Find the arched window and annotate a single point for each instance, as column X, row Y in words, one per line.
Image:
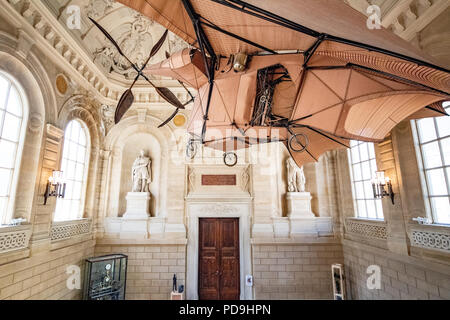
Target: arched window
column 432, row 137
column 74, row 165
column 12, row 135
column 362, row 169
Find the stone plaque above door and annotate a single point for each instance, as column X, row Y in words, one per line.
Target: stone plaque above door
column 218, row 180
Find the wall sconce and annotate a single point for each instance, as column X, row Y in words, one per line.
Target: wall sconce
column 56, row 187
column 382, row 186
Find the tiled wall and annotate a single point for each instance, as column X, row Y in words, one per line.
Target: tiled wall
column 401, row 278
column 150, row 269
column 300, row 271
column 43, row 276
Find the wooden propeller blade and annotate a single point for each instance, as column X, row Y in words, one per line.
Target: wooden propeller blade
column 155, row 49
column 110, row 38
column 168, row 95
column 124, row 104
column 169, row 119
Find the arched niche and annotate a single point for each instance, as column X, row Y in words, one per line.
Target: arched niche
column 131, row 148
column 124, row 142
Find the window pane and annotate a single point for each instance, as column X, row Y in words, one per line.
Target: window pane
column 379, row 208
column 3, row 206
column 8, row 154
column 366, row 171
column 81, row 154
column 436, row 182
column 2, row 114
column 11, row 128
column 74, row 167
column 371, row 209
column 82, row 139
column 5, row 182
column 355, row 155
column 363, row 166
column 362, row 208
column 431, row 155
column 359, row 190
column 445, row 144
column 14, row 102
column 75, row 131
column 427, row 130
column 364, row 152
column 443, row 124
column 357, row 172
column 441, row 207
column 4, row 87
column 79, row 172
column 76, row 191
column 368, row 190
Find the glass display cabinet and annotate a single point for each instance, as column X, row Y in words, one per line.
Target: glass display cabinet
column 105, row 277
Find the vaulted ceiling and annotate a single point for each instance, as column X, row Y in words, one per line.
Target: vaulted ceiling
column 135, row 33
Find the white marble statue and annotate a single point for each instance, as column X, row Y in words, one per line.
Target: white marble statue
column 141, row 173
column 295, row 176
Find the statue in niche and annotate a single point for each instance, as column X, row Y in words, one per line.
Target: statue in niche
column 295, row 176
column 141, row 173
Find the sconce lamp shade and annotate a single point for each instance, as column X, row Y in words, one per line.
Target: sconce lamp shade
column 382, row 186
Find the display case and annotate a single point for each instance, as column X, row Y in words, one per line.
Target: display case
column 105, row 277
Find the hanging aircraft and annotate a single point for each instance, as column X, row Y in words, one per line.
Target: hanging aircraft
column 309, row 74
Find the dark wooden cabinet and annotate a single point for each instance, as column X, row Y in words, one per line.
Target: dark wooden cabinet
column 219, row 275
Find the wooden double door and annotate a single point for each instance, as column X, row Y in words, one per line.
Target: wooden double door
column 219, row 274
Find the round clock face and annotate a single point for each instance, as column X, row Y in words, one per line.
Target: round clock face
column 230, row 159
column 108, row 267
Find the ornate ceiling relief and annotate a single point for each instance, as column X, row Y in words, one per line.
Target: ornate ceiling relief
column 98, row 8
column 176, row 43
column 136, row 43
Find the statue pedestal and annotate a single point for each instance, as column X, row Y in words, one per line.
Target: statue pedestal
column 136, row 219
column 299, row 205
column 138, row 204
column 302, row 219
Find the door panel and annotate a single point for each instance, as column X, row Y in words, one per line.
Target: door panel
column 219, row 274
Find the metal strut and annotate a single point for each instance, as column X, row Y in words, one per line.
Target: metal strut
column 205, row 48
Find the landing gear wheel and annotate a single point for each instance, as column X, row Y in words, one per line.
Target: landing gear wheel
column 230, row 159
column 298, row 142
column 191, row 149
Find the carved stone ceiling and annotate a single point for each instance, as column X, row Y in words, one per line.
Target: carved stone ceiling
column 135, row 33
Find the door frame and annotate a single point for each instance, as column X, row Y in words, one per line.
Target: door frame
column 197, row 210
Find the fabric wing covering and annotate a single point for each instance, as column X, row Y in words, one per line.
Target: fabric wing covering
column 345, row 80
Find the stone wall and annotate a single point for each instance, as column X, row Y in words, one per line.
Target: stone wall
column 402, row 277
column 150, row 268
column 43, row 275
column 294, row 271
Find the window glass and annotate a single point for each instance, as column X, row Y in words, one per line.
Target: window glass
column 433, row 135
column 74, row 167
column 11, row 122
column 363, row 167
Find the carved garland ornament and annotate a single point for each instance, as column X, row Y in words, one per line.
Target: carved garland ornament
column 219, row 209
column 366, row 229
column 431, row 240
